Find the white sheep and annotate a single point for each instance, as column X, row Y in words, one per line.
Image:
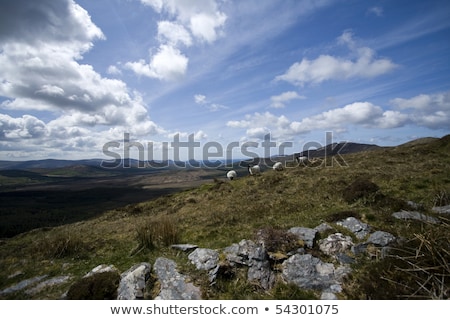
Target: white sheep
column 302, row 160
column 278, row 166
column 231, row 174
column 254, row 170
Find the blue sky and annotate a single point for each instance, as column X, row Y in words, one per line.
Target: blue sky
column 76, row 75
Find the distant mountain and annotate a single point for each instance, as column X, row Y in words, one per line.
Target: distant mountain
column 339, row 148
column 46, row 164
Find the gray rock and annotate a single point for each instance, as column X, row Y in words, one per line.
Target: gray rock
column 245, row 252
column 328, row 296
column 174, row 286
column 261, row 272
column 204, row 259
column 309, row 272
column 184, row 247
column 335, row 243
column 101, row 268
column 253, row 255
column 22, row 284
column 414, row 215
column 381, row 238
column 323, row 227
column 133, row 281
column 442, row 210
column 359, row 228
column 308, row 235
column 48, row 283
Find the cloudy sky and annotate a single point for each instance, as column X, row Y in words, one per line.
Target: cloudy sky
column 77, row 74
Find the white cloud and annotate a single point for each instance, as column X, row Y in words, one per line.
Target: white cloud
column 327, row 67
column 167, row 64
column 41, row 71
column 428, row 110
column 204, row 25
column 173, row 33
column 200, row 99
column 281, row 100
column 113, row 70
column 182, row 23
column 213, row 107
column 363, row 114
column 377, row 11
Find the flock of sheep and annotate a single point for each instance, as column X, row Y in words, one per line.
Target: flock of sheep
column 256, row 169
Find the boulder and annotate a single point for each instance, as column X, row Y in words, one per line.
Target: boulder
column 359, row 228
column 335, row 243
column 309, row 272
column 174, row 286
column 415, row 215
column 133, row 282
column 442, row 210
column 381, row 238
column 308, row 235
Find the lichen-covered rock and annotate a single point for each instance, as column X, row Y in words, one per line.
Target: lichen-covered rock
column 335, row 243
column 359, row 228
column 133, row 282
column 174, row 286
column 308, row 235
column 381, row 238
column 309, row 272
column 414, row 215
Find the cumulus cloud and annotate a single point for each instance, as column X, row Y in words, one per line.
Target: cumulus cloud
column 41, row 46
column 281, row 100
column 327, row 67
column 173, row 33
column 167, row 64
column 428, row 110
column 182, row 23
column 363, row 114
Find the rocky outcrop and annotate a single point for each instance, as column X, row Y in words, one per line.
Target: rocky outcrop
column 298, row 262
column 133, row 282
column 173, row 285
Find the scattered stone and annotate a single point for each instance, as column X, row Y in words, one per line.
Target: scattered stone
column 309, row 272
column 15, row 274
column 23, row 284
column 184, row 247
column 414, row 205
column 414, row 215
column 308, row 235
column 174, row 286
column 381, row 238
column 359, row 228
column 245, row 252
column 323, row 227
column 133, row 281
column 442, row 210
column 100, row 269
column 206, row 259
column 328, row 296
column 248, row 253
column 47, row 283
column 335, row 243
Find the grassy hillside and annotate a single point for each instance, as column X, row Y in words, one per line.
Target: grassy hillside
column 222, row 212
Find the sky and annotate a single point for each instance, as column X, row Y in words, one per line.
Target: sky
column 79, row 79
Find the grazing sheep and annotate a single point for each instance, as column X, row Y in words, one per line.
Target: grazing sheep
column 254, row 170
column 231, row 174
column 302, row 160
column 278, row 166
